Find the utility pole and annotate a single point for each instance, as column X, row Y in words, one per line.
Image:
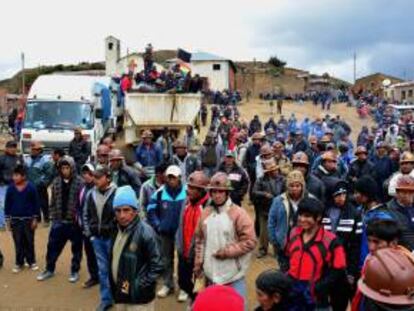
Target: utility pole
column 23, row 75
column 355, row 57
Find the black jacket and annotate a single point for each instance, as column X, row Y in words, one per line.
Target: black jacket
column 405, row 219
column 139, row 266
column 349, row 231
column 106, row 227
column 7, row 164
column 315, row 186
column 358, row 169
column 267, row 184
column 239, row 182
column 128, row 176
column 80, row 151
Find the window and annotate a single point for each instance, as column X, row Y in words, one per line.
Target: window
column 216, row 66
column 410, row 93
column 110, row 46
column 403, row 95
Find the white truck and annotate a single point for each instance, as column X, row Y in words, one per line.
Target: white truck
column 156, row 111
column 57, row 104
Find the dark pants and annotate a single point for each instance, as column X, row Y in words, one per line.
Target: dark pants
column 23, row 237
column 185, row 276
column 1, row 259
column 60, row 233
column 341, row 295
column 44, row 202
column 167, row 251
column 90, row 258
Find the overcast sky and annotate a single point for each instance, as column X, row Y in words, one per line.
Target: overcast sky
column 318, row 35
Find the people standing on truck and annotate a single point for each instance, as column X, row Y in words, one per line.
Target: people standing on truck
column 79, row 149
column 121, row 173
column 8, row 162
column 148, row 154
column 136, row 260
column 64, row 213
column 163, row 214
column 22, row 210
column 40, row 173
column 99, row 226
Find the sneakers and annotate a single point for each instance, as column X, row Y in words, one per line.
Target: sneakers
column 90, row 283
column 73, row 277
column 34, row 267
column 45, row 275
column 164, row 291
column 182, row 296
column 17, row 269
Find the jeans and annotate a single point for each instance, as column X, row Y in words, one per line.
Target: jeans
column 3, row 190
column 240, row 287
column 167, row 251
column 90, row 258
column 59, row 234
column 23, row 237
column 102, row 249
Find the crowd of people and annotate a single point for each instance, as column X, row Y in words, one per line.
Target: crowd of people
column 338, row 218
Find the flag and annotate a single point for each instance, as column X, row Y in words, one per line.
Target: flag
column 184, row 55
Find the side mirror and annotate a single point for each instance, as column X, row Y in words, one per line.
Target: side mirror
column 98, row 113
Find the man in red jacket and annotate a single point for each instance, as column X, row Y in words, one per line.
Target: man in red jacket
column 316, row 258
column 197, row 199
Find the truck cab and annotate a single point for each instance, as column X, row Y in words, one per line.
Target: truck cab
column 59, row 103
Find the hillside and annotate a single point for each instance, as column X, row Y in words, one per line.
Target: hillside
column 257, row 77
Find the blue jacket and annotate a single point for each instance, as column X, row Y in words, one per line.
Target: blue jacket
column 380, row 212
column 164, row 210
column 151, row 156
column 280, row 217
column 22, row 204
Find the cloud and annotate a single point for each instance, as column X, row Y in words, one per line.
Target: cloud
column 327, row 33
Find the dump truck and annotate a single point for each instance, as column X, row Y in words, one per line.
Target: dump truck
column 57, row 104
column 156, row 111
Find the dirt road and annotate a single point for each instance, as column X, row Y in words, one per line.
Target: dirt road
column 23, row 292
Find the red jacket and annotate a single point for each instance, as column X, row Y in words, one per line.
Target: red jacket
column 308, row 262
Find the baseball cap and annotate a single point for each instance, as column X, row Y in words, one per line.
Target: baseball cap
column 173, row 170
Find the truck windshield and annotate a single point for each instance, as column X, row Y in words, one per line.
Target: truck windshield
column 58, row 115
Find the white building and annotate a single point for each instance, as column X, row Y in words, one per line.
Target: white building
column 115, row 65
column 402, row 92
column 219, row 71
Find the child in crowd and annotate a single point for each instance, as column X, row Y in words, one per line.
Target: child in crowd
column 22, row 210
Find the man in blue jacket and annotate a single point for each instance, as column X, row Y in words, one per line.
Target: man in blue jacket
column 163, row 213
column 148, row 154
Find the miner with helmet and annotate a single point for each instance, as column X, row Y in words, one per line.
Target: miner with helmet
column 406, row 168
column 197, row 199
column 148, row 154
column 300, row 162
column 402, row 209
column 224, row 239
column 388, row 281
column 360, row 166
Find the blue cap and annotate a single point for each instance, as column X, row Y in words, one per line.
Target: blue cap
column 125, row 196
